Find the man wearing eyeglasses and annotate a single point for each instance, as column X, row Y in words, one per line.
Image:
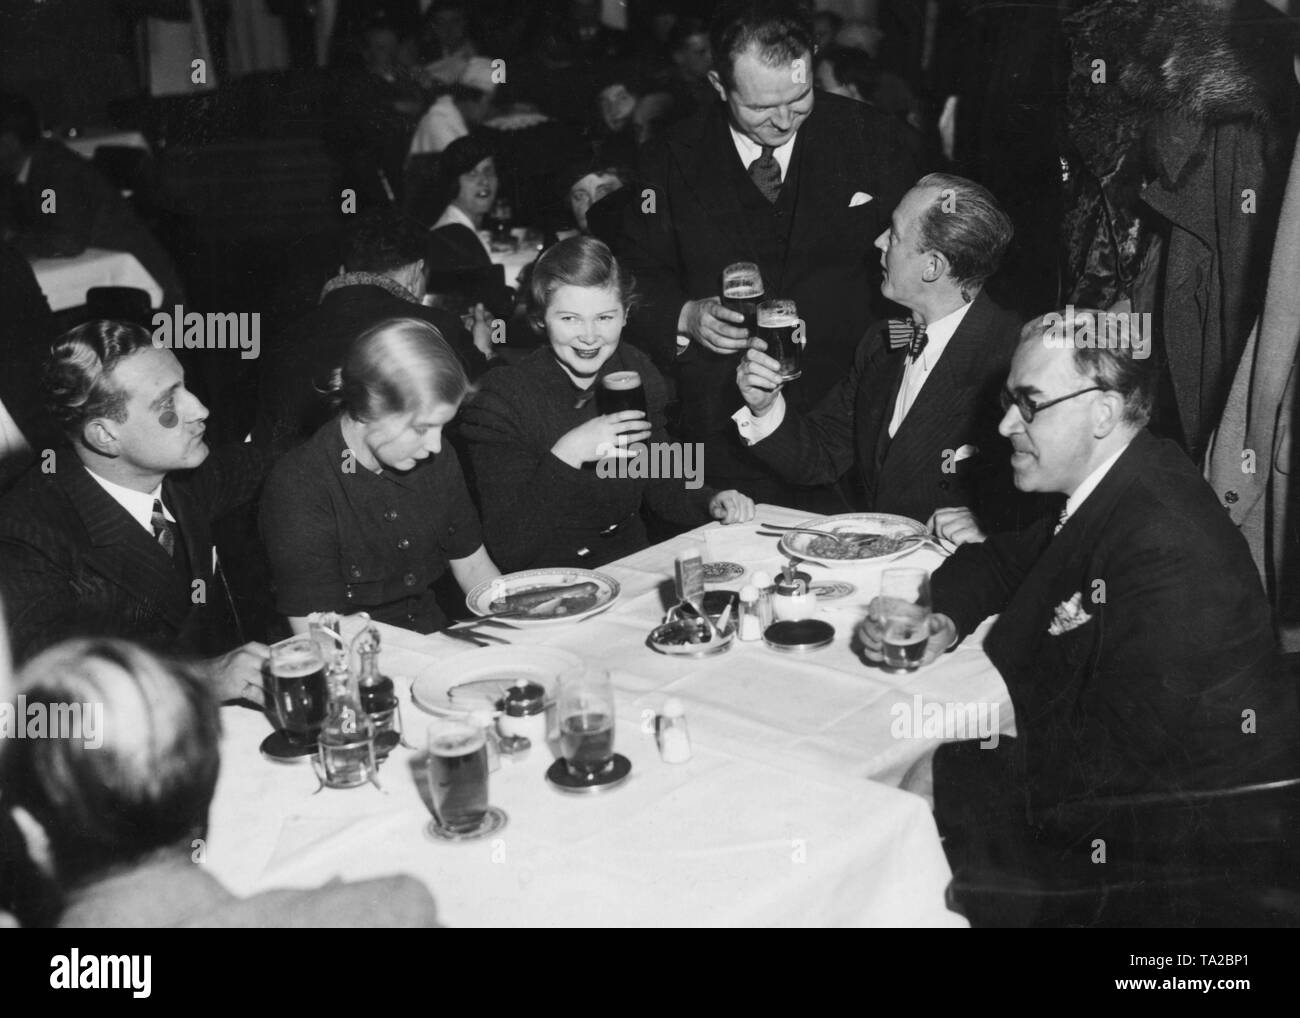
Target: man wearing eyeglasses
column 1133, row 632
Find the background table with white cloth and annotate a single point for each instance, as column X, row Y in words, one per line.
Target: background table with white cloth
column 771, row 823
column 64, row 281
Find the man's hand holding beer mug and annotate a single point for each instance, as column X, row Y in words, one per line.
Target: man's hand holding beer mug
column 726, row 324
column 900, row 633
column 759, row 379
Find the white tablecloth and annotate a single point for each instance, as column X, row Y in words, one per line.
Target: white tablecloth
column 771, row 823
column 85, row 143
column 513, row 262
column 66, row 280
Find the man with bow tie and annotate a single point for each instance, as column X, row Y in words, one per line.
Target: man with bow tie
column 110, row 534
column 775, row 173
column 916, row 412
column 1133, row 634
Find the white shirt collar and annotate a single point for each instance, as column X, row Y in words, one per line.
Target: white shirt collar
column 938, row 334
column 1090, row 482
column 138, row 503
column 454, row 214
column 749, row 151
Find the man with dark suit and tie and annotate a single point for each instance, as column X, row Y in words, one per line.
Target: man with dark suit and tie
column 917, row 411
column 774, row 173
column 111, row 535
column 1133, row 634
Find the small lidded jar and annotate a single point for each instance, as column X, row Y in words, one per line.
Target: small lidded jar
column 523, row 712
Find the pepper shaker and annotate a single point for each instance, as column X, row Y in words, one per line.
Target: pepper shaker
column 749, row 626
column 674, row 739
column 766, row 592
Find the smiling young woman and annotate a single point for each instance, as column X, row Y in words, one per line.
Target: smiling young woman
column 536, row 430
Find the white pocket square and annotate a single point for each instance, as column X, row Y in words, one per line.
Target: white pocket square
column 965, row 453
column 859, row 198
column 1069, row 615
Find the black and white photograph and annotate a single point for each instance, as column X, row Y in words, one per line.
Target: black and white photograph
column 569, row 464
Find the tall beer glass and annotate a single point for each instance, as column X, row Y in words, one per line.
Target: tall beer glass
column 458, row 776
column 621, row 390
column 742, row 290
column 779, row 327
column 296, row 694
column 585, row 709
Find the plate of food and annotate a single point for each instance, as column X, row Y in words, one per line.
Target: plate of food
column 543, row 596
column 478, row 679
column 886, row 537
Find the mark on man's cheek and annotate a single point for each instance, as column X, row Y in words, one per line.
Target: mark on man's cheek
column 168, row 419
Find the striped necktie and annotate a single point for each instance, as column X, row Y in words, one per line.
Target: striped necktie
column 1065, row 515
column 164, row 530
column 765, row 172
column 919, row 339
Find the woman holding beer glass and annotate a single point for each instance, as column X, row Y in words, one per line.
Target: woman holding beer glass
column 550, row 437
column 372, row 510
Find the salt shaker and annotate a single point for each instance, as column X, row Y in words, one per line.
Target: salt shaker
column 674, row 740
column 749, row 626
column 766, row 592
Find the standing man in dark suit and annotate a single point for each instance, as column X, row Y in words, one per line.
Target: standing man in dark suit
column 1133, row 635
column 775, row 174
column 86, row 210
column 111, row 536
column 917, row 411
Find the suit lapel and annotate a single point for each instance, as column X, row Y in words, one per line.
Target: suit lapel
column 949, row 388
column 1063, row 569
column 704, row 159
column 123, row 551
column 818, row 206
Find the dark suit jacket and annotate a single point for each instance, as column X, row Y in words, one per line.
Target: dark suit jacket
column 914, row 473
column 698, row 225
column 1148, row 694
column 89, row 212
column 73, row 561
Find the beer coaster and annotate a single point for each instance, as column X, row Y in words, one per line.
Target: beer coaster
column 494, row 820
column 831, row 590
column 559, row 778
column 277, row 748
column 797, row 637
column 722, row 572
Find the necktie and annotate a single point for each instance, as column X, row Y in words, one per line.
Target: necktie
column 1065, row 515
column 765, row 172
column 164, row 530
column 919, row 339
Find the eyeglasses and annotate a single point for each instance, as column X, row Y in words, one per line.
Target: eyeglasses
column 1028, row 407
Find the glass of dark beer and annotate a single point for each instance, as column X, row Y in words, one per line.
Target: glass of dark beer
column 296, row 695
column 742, row 290
column 779, row 327
column 458, row 776
column 621, row 390
column 585, row 710
column 901, row 615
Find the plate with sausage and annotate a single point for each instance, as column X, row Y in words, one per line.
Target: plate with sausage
column 544, row 596
column 882, row 536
